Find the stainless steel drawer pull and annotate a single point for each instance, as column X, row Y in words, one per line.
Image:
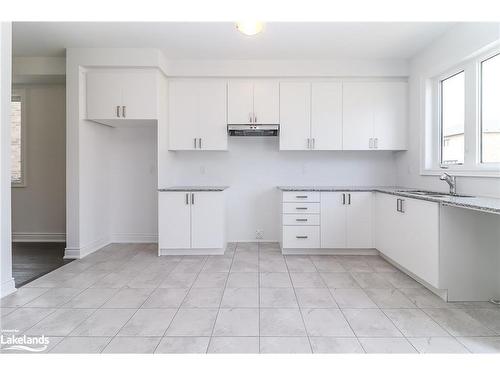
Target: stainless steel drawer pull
column 192, row 198
column 117, row 111
column 187, row 198
column 301, row 208
column 300, row 219
column 301, row 196
column 124, row 111
column 301, row 237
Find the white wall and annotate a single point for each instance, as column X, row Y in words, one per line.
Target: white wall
column 133, row 175
column 456, row 45
column 39, row 208
column 254, row 166
column 6, row 281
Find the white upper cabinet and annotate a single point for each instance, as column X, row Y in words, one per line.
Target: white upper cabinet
column 197, row 115
column 390, row 115
column 253, row 102
column 295, row 116
column 122, row 95
column 266, row 96
column 326, row 116
column 374, row 115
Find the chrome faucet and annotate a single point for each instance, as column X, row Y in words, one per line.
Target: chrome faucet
column 451, row 180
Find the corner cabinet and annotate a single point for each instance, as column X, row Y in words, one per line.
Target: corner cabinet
column 191, row 222
column 253, row 102
column 114, row 96
column 407, row 232
column 197, row 115
column 311, row 116
column 374, row 115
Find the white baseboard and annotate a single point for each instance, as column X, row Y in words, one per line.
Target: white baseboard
column 290, row 251
column 7, row 287
column 80, row 252
column 134, row 238
column 38, row 237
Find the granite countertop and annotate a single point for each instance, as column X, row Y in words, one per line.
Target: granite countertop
column 194, row 188
column 485, row 204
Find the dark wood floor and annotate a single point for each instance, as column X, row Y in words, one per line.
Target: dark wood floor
column 30, row 260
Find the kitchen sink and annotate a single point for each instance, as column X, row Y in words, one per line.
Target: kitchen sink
column 434, row 194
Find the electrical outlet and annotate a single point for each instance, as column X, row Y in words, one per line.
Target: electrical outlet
column 259, row 234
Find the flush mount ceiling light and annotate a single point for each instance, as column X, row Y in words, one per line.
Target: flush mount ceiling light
column 249, row 27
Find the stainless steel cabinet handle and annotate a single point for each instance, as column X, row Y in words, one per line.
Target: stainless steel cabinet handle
column 301, row 208
column 194, row 139
column 187, row 198
column 397, row 204
column 124, row 111
column 370, row 143
column 250, row 117
column 343, row 198
column 192, row 198
column 314, row 143
column 301, row 196
column 117, row 111
column 308, row 142
column 401, row 206
column 375, row 143
column 254, row 119
column 349, row 199
column 300, row 219
column 199, row 142
column 301, row 237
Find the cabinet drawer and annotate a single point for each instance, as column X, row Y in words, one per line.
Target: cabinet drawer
column 301, row 196
column 295, row 236
column 300, row 219
column 303, row 208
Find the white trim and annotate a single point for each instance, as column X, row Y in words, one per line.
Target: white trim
column 191, row 251
column 291, row 251
column 134, row 238
column 38, row 237
column 7, row 287
column 80, row 252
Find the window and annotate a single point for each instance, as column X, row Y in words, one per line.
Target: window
column 490, row 110
column 453, row 119
column 17, row 141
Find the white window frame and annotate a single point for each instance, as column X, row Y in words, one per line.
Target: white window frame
column 22, row 94
column 484, row 57
column 431, row 113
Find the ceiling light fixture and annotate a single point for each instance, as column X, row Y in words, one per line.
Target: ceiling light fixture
column 249, row 27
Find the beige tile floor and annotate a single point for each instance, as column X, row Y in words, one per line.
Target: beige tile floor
column 125, row 299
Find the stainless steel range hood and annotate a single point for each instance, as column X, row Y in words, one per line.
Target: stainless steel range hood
column 253, row 130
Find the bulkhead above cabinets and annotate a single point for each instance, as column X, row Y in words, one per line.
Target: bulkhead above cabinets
column 122, row 96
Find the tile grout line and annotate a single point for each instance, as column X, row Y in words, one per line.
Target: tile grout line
column 220, row 302
column 300, row 310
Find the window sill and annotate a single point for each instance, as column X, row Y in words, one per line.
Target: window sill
column 486, row 173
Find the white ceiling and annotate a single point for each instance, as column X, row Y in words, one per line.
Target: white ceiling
column 221, row 40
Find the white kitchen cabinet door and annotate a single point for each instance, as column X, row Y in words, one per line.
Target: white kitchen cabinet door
column 390, row 115
column 140, row 95
column 357, row 114
column 207, row 220
column 295, row 115
column 359, row 220
column 104, row 95
column 212, row 124
column 174, row 220
column 419, row 245
column 266, row 95
column 326, row 116
column 183, row 115
column 240, row 102
column 388, row 226
column 333, row 220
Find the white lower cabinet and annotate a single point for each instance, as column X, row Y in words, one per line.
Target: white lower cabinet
column 327, row 220
column 346, row 220
column 407, row 231
column 191, row 220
